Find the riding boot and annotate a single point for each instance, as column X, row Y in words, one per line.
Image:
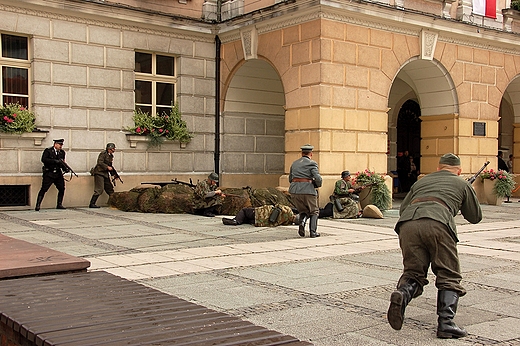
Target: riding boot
column 38, row 203
column 313, row 226
column 93, row 201
column 446, row 309
column 301, row 225
column 59, row 203
column 399, row 299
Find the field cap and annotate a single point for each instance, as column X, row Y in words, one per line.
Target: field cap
column 307, row 147
column 213, row 176
column 345, row 174
column 450, row 160
column 59, row 141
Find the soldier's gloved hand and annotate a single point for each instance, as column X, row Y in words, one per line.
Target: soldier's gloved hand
column 56, row 161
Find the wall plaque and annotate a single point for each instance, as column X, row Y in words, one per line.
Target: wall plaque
column 479, row 128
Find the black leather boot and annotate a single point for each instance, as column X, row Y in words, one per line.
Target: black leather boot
column 38, row 203
column 229, row 222
column 446, row 309
column 59, row 203
column 399, row 299
column 313, row 226
column 93, row 201
column 301, row 225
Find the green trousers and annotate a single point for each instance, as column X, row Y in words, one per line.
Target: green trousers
column 426, row 242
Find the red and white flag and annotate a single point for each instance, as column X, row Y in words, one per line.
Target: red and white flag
column 487, row 8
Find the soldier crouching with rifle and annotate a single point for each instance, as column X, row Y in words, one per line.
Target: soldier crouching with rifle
column 101, row 173
column 428, row 236
column 53, row 169
column 207, row 198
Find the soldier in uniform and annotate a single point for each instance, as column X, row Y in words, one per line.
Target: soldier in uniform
column 305, row 177
column 428, row 235
column 53, row 170
column 345, row 193
column 207, row 196
column 261, row 216
column 101, row 173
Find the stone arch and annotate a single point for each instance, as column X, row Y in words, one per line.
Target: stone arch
column 509, row 123
column 253, row 124
column 428, row 83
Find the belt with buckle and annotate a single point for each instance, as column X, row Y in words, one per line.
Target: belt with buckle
column 301, row 180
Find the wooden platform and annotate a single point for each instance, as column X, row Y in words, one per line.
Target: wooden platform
column 99, row 308
column 20, row 258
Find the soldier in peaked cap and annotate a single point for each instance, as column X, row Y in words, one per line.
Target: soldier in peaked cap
column 305, row 177
column 207, row 197
column 101, row 173
column 53, row 170
column 428, row 236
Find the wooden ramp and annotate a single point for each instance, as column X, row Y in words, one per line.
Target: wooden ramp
column 98, row 308
column 21, row 258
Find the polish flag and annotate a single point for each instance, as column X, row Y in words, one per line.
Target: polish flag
column 487, row 8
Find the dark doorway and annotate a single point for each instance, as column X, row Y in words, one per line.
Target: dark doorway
column 408, row 142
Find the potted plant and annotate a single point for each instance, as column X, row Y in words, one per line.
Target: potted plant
column 501, row 183
column 379, row 194
column 160, row 127
column 16, row 119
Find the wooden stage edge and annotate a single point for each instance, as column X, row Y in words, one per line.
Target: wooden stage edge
column 19, row 258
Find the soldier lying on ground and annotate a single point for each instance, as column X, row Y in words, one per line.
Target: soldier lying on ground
column 266, row 215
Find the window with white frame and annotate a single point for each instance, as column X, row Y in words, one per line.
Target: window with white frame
column 155, row 78
column 14, row 74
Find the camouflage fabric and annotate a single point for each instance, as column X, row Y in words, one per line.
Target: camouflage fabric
column 263, row 213
column 351, row 209
column 204, row 195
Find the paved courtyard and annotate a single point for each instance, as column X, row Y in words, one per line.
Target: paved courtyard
column 331, row 290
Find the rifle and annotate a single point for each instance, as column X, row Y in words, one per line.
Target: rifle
column 190, row 184
column 358, row 189
column 67, row 168
column 115, row 176
column 474, row 177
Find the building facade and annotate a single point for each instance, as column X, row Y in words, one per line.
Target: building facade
column 361, row 81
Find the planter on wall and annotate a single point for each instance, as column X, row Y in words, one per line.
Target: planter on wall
column 134, row 139
column 37, row 136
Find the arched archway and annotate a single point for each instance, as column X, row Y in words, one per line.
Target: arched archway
column 253, row 126
column 422, row 90
column 509, row 120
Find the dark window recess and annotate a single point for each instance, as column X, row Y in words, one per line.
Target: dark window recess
column 14, row 195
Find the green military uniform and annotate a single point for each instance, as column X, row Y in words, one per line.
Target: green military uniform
column 350, row 207
column 428, row 236
column 101, row 174
column 305, row 177
column 204, row 197
column 263, row 213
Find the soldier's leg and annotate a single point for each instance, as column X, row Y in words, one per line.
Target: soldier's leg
column 446, row 267
column 98, row 190
column 416, row 263
column 46, row 184
column 59, row 182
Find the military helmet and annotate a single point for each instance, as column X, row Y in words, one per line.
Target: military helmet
column 345, row 174
column 111, row 146
column 213, row 176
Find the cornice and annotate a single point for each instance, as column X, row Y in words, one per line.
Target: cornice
column 385, row 19
column 155, row 27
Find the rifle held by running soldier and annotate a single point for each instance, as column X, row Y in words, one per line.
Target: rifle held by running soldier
column 474, row 177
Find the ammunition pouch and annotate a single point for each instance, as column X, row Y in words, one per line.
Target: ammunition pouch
column 274, row 214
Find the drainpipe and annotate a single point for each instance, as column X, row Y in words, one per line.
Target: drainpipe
column 217, row 104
